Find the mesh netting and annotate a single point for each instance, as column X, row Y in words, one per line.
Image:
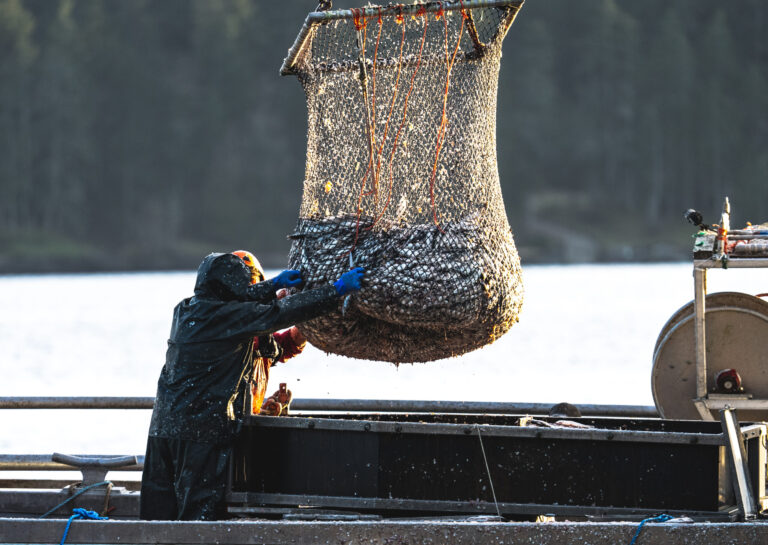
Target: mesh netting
column 401, row 179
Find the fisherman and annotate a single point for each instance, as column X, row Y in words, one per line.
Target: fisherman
column 269, row 349
column 209, row 362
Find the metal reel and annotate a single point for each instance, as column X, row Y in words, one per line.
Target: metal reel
column 737, row 339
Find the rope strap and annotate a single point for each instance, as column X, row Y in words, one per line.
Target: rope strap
column 80, row 513
column 660, row 518
column 76, row 494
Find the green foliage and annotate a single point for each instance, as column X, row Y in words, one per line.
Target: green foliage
column 16, row 26
column 159, row 130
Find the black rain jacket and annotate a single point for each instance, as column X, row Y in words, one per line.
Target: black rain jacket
column 210, row 351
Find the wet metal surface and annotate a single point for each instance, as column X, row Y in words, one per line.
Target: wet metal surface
column 400, row 532
column 435, row 463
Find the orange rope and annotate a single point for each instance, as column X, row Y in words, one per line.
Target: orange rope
column 391, row 107
column 372, row 122
column 376, row 148
column 372, row 128
column 400, row 21
column 444, row 119
column 420, row 13
column 361, row 23
column 358, row 18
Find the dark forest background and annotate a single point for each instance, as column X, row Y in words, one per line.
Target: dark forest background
column 143, row 134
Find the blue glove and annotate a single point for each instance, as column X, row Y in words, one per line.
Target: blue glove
column 349, row 281
column 287, row 279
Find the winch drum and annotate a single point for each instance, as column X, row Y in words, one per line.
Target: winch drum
column 736, row 338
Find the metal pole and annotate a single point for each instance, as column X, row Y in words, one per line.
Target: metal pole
column 733, row 263
column 737, row 459
column 76, row 402
column 364, row 405
column 699, row 312
column 45, row 462
column 410, row 9
column 384, row 405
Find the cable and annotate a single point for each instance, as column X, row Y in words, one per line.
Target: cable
column 488, row 470
column 73, row 496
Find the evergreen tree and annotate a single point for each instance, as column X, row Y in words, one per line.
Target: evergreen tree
column 18, row 53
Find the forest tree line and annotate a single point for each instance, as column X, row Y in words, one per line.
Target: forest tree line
column 144, row 134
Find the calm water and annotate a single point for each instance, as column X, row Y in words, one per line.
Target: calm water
column 586, row 335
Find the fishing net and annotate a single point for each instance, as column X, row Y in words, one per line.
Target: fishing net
column 401, row 178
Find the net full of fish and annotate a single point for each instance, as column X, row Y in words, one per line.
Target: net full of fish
column 401, row 179
column 428, row 293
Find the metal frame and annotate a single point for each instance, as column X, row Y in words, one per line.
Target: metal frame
column 737, row 458
column 704, row 401
column 319, row 17
column 488, row 430
column 458, row 507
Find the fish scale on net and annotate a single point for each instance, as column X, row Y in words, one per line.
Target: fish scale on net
column 437, row 292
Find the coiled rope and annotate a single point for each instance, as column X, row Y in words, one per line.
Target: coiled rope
column 80, row 513
column 660, row 518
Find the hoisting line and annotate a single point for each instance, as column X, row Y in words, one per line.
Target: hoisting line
column 487, row 470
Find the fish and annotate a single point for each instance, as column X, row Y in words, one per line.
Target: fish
column 421, row 281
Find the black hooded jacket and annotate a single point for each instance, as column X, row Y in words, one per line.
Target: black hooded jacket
column 210, row 351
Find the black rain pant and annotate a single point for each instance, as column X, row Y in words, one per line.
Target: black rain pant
column 183, row 480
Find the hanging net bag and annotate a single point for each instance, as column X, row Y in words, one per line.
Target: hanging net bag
column 401, row 178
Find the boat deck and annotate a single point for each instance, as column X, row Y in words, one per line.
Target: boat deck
column 33, row 531
column 305, row 500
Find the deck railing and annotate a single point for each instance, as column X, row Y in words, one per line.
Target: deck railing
column 345, row 405
column 45, row 462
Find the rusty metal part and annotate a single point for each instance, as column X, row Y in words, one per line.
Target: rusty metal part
column 278, row 404
column 319, row 17
column 271, row 407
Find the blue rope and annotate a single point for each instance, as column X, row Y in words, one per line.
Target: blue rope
column 73, row 496
column 659, row 518
column 80, row 513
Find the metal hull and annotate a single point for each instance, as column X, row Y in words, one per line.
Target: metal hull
column 424, row 478
column 470, row 464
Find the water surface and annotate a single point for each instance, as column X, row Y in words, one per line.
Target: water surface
column 586, row 335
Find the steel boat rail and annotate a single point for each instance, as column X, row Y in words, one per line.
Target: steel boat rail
column 358, row 405
column 366, row 423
